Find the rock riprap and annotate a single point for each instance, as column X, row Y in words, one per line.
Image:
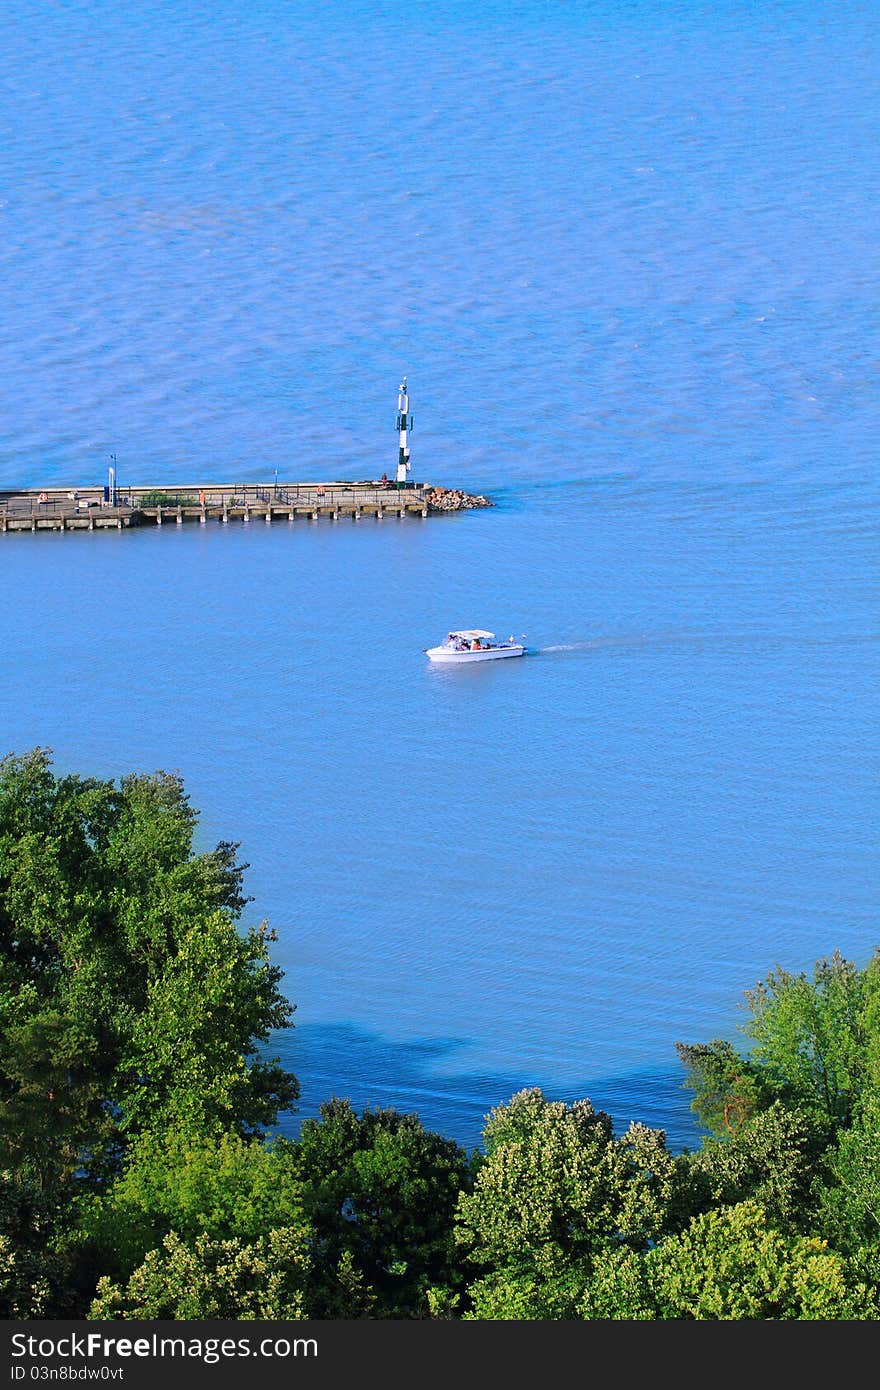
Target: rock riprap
column 452, row 499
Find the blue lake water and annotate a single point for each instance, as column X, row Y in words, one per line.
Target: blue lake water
column 626, row 253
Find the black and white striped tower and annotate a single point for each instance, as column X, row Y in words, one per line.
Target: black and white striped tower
column 404, row 424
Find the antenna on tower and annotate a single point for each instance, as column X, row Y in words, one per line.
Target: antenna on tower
column 404, row 425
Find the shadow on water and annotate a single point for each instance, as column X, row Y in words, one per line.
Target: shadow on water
column 457, row 1104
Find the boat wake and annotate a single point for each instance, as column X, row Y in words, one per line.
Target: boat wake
column 629, row 640
column 660, row 640
column 570, row 646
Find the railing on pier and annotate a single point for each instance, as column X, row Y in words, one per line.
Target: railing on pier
column 63, row 509
column 78, row 502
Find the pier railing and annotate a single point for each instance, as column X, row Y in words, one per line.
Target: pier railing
column 73, row 500
column 93, row 508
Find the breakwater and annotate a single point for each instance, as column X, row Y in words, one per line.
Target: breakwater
column 96, row 508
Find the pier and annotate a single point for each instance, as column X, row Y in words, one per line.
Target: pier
column 113, row 508
column 95, row 508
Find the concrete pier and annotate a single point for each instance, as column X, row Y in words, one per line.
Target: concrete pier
column 90, row 509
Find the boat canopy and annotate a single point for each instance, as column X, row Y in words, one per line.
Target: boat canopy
column 471, row 632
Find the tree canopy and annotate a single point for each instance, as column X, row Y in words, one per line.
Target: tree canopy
column 129, row 999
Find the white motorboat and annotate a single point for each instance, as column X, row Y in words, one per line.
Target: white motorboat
column 473, row 644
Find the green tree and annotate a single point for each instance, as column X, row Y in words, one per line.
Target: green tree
column 213, row 1279
column 728, row 1265
column 849, row 1196
column 814, row 1047
column 772, row 1159
column 380, row 1192
column 728, row 1088
column 32, row 1275
column 815, row 1038
column 555, row 1189
column 129, row 1000
column 798, row 1119
column 217, row 1184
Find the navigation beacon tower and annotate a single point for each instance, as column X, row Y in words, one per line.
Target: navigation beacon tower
column 404, row 424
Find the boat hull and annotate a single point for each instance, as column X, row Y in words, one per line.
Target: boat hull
column 449, row 657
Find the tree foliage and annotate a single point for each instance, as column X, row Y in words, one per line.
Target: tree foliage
column 728, row 1265
column 380, row 1193
column 772, row 1160
column 815, row 1045
column 815, row 1039
column 32, row 1275
column 129, row 1000
column 217, row 1184
column 849, row 1193
column 556, row 1188
column 213, row 1279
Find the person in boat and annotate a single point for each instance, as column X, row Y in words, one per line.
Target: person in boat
column 476, row 645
